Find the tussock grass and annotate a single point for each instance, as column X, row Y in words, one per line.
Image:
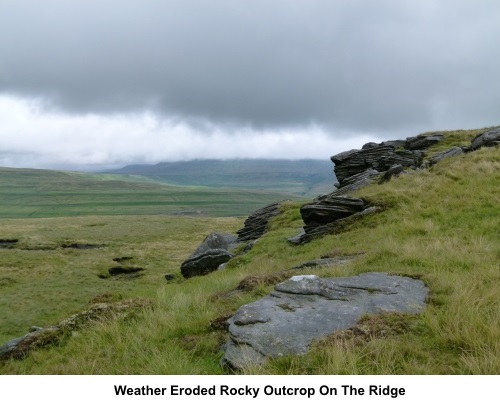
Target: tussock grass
column 440, row 225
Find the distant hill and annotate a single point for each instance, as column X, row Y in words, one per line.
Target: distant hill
column 301, row 177
column 32, row 193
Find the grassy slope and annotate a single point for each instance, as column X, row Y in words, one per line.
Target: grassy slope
column 27, row 193
column 439, row 224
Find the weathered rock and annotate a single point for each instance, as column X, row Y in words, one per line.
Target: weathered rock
column 394, row 170
column 256, row 224
column 205, row 263
column 216, row 240
column 398, row 143
column 305, row 308
column 353, row 162
column 404, row 158
column 370, row 145
column 455, row 151
column 422, row 141
column 209, row 255
column 310, row 233
column 380, row 157
column 356, row 182
column 488, row 138
column 330, row 208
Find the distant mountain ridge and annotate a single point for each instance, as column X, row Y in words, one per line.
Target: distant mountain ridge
column 301, row 177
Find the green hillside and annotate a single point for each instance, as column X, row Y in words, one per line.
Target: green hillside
column 29, row 193
column 303, row 177
column 439, row 224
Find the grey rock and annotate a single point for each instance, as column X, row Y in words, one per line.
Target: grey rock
column 296, row 239
column 8, row 348
column 256, row 224
column 394, row 170
column 305, row 308
column 422, row 141
column 353, row 162
column 209, row 255
column 455, row 151
column 205, row 263
column 380, row 157
column 216, row 240
column 312, row 232
column 488, row 138
column 404, row 158
column 330, row 208
column 398, row 143
column 356, row 182
column 369, row 145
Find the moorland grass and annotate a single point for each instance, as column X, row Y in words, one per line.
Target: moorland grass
column 439, row 224
column 29, row 193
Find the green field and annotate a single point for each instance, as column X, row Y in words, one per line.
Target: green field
column 28, row 193
column 439, row 224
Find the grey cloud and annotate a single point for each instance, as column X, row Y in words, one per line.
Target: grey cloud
column 357, row 65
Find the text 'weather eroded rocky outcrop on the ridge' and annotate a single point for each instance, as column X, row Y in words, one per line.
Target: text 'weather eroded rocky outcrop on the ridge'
column 305, row 308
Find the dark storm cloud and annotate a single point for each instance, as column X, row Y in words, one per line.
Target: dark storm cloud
column 357, row 65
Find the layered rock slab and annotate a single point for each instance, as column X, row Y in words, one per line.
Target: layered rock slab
column 256, row 224
column 305, row 308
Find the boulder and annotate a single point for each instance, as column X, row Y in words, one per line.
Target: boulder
column 305, row 308
column 394, row 170
column 455, row 151
column 256, row 224
column 213, row 251
column 488, row 138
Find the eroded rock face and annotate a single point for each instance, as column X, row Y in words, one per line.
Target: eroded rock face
column 325, row 214
column 455, row 151
column 330, row 208
column 488, row 138
column 256, row 224
column 305, row 308
column 422, row 141
column 213, row 251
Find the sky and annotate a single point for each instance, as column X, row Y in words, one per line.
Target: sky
column 87, row 84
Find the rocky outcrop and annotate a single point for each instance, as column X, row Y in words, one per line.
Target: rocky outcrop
column 379, row 158
column 213, row 251
column 327, row 214
column 423, row 141
column 355, row 161
column 256, row 224
column 356, row 182
column 305, row 308
column 455, row 151
column 488, row 138
column 40, row 337
column 329, row 208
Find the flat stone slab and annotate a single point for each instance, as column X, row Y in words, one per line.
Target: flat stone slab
column 305, row 308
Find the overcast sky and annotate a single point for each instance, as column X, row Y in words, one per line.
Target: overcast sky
column 85, row 83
